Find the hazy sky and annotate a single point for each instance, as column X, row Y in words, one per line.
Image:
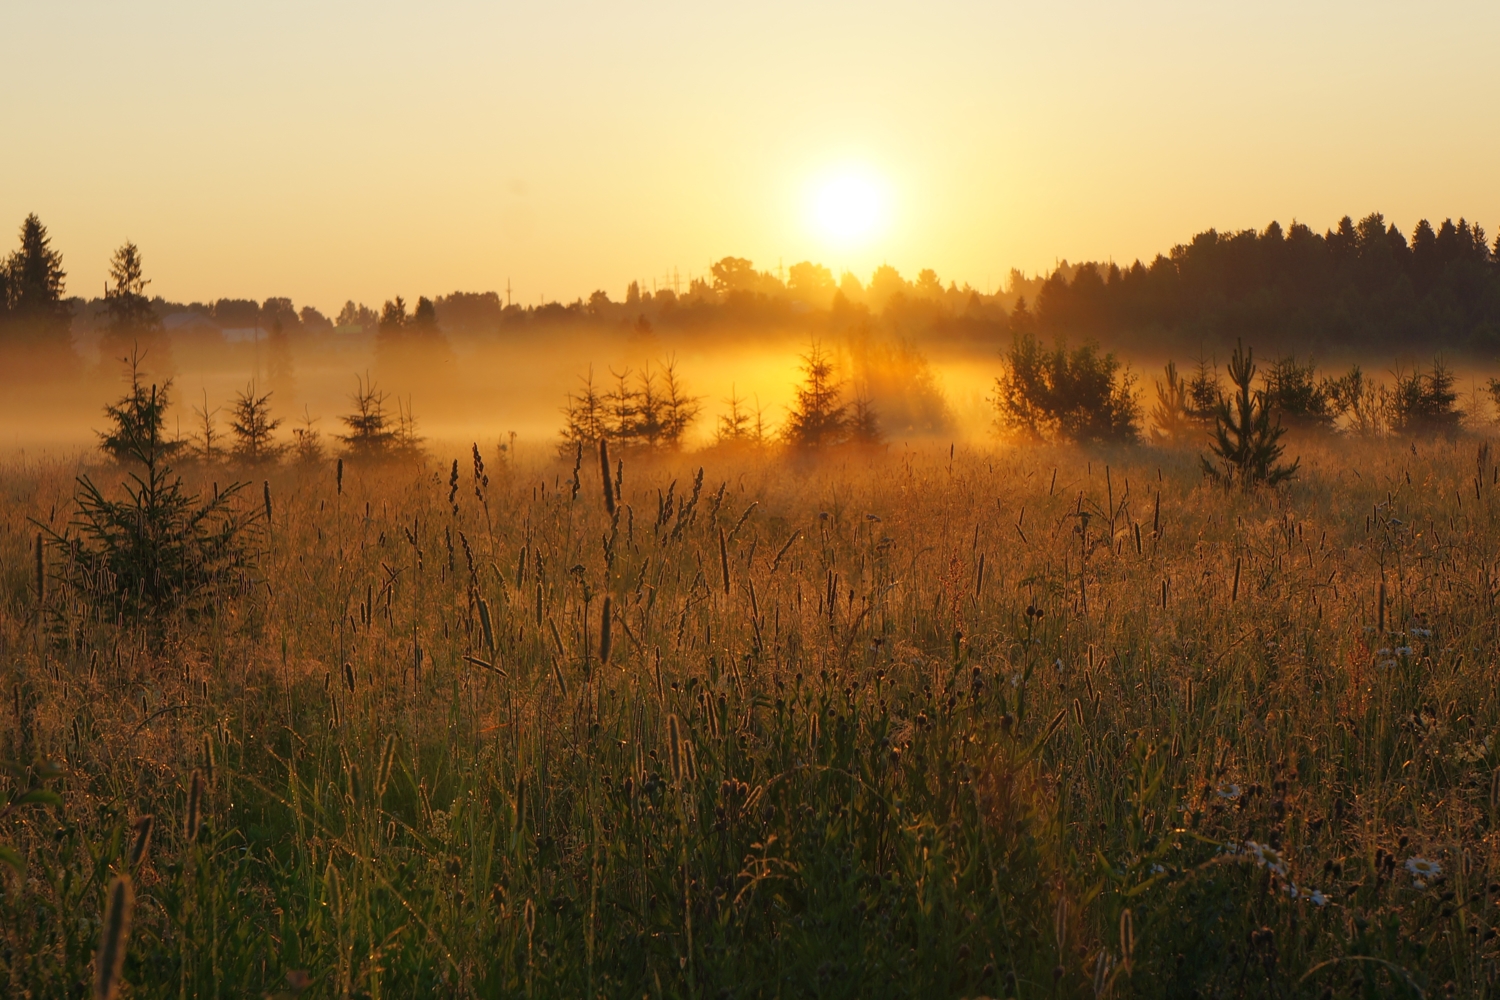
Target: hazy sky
column 334, row 150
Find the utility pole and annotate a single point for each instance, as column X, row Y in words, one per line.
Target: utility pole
column 507, row 293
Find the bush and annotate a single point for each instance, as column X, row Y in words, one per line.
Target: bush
column 1082, row 395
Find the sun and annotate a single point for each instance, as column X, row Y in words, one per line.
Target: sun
column 848, row 208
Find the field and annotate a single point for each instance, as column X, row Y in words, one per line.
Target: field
column 1020, row 722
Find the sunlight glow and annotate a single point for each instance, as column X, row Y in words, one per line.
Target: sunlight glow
column 849, row 208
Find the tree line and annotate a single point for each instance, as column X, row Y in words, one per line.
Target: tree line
column 1358, row 285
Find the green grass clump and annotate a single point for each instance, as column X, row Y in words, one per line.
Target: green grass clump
column 1018, row 723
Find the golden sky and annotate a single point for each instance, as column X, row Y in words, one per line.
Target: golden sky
column 327, row 151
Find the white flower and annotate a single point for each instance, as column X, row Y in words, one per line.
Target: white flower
column 1422, row 633
column 1403, row 650
column 1266, row 856
column 1423, row 870
column 1291, row 889
column 1229, row 791
column 1058, row 663
column 1317, row 897
column 1382, row 652
column 1157, row 870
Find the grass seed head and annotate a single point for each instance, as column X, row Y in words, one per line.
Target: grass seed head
column 141, row 846
column 194, row 807
column 109, row 961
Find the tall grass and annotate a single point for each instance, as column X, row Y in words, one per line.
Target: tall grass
column 904, row 723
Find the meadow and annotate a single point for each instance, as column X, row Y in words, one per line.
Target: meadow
column 892, row 722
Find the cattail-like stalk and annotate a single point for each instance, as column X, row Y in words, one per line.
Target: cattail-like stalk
column 609, row 486
column 1127, row 937
column 674, row 748
column 194, row 807
column 1234, row 594
column 341, row 478
column 724, row 559
column 266, row 492
column 142, row 844
column 349, row 676
column 41, row 571
column 486, row 625
column 606, row 617
column 109, row 961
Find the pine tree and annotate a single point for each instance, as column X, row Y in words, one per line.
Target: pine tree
column 1245, row 443
column 253, row 428
column 679, row 409
column 818, row 418
column 34, row 283
column 133, row 323
column 370, row 432
column 139, row 418
column 1171, row 420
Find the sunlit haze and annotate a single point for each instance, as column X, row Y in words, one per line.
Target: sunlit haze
column 354, row 150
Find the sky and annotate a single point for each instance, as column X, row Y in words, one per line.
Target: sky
column 329, row 151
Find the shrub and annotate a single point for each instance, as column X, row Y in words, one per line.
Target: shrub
column 1080, row 395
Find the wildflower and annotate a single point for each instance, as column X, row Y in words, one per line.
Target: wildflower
column 1403, row 651
column 1291, row 889
column 1266, row 856
column 1058, row 663
column 1423, row 871
column 1317, row 897
column 1383, row 652
column 1229, row 791
column 1422, row 633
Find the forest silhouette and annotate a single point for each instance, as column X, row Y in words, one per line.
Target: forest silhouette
column 1361, row 285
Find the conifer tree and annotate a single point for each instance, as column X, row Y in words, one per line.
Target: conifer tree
column 254, row 427
column 33, row 286
column 818, row 418
column 1245, row 445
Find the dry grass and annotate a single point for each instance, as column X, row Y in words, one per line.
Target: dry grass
column 1025, row 722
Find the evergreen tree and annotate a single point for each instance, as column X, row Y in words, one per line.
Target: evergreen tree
column 133, row 323
column 1172, row 423
column 254, row 428
column 34, row 282
column 1245, row 443
column 370, row 432
column 139, row 418
column 818, row 418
